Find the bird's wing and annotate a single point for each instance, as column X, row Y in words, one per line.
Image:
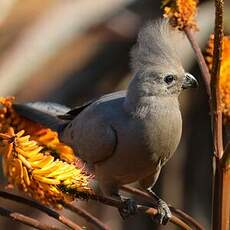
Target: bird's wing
column 96, row 141
column 71, row 114
column 93, row 133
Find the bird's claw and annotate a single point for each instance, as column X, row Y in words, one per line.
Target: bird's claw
column 129, row 208
column 164, row 214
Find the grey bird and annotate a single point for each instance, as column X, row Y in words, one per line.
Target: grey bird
column 127, row 136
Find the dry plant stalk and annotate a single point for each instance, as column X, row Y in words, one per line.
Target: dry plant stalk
column 218, row 59
column 25, row 220
column 225, row 174
column 81, row 212
column 215, row 80
column 34, row 204
column 219, row 204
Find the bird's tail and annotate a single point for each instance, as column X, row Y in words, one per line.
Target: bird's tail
column 44, row 113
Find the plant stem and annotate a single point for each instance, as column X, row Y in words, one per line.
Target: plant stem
column 182, row 215
column 26, row 220
column 200, row 58
column 215, row 87
column 224, row 190
column 119, row 204
column 218, row 219
column 86, row 215
column 40, row 207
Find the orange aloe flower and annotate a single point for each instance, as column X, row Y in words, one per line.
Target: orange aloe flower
column 224, row 74
column 35, row 162
column 181, row 13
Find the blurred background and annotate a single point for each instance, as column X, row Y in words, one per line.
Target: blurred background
column 74, row 50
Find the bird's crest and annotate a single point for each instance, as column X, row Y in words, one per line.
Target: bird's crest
column 156, row 47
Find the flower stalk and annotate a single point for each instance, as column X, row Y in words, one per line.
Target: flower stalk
column 218, row 219
column 200, row 59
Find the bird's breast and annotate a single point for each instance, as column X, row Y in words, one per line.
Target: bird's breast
column 161, row 130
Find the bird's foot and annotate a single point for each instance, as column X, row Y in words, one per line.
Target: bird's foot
column 164, row 213
column 128, row 209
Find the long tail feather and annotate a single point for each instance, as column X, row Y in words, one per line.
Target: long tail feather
column 43, row 113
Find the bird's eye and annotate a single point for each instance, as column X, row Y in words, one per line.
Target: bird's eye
column 169, row 79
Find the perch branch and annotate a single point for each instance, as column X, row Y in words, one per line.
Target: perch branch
column 86, row 215
column 40, row 207
column 174, row 220
column 105, row 200
column 200, row 58
column 185, row 217
column 119, row 204
column 26, row 220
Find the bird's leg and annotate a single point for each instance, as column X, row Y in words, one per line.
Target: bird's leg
column 164, row 213
column 129, row 207
column 147, row 183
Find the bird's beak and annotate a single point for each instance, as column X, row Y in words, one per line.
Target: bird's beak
column 189, row 81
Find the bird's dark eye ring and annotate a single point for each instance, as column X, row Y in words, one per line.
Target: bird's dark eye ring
column 169, row 79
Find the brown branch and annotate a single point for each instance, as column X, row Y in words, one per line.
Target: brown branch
column 86, row 215
column 174, row 220
column 48, row 211
column 105, row 200
column 225, row 189
column 119, row 204
column 200, row 58
column 218, row 202
column 185, row 217
column 215, row 87
column 179, row 223
column 15, row 216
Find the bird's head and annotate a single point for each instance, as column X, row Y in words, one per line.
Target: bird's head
column 156, row 66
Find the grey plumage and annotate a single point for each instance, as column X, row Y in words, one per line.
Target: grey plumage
column 156, row 47
column 128, row 136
